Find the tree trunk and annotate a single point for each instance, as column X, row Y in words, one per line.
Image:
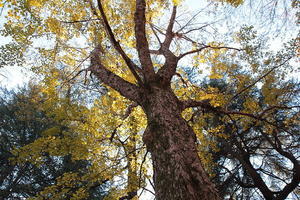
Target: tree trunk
column 178, row 173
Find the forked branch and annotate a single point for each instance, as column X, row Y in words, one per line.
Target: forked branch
column 169, row 68
column 131, row 65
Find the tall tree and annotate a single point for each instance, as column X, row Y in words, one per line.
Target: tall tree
column 131, row 54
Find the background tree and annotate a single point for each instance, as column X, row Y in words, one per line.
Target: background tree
column 131, row 53
column 23, row 122
column 270, row 152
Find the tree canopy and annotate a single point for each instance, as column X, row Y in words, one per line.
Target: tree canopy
column 136, row 93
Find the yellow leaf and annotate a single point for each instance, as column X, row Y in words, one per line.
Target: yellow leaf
column 215, row 76
column 176, row 2
column 53, row 25
column 36, row 3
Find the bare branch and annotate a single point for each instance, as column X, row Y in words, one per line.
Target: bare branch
column 127, row 113
column 80, row 21
column 129, row 109
column 195, row 29
column 292, row 185
column 76, row 68
column 157, row 29
column 141, row 166
column 131, row 65
column 142, row 45
column 114, row 132
column 169, row 33
column 189, row 22
column 152, row 28
column 277, row 107
column 207, row 107
column 256, row 117
column 205, row 47
column 148, row 191
column 260, row 78
column 296, row 176
column 258, row 181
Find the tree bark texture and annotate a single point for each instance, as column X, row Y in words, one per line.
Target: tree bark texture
column 178, row 173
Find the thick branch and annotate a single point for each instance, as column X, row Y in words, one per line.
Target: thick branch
column 125, row 88
column 296, row 169
column 169, row 68
column 244, row 158
column 169, row 33
column 291, row 186
column 237, row 180
column 256, row 178
column 142, row 45
column 131, row 65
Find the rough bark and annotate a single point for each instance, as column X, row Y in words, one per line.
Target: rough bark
column 178, row 173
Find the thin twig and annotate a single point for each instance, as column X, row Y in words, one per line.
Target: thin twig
column 260, row 78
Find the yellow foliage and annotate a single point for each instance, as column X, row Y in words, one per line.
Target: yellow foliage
column 187, row 114
column 215, row 76
column 36, row 3
column 176, row 2
column 53, row 25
